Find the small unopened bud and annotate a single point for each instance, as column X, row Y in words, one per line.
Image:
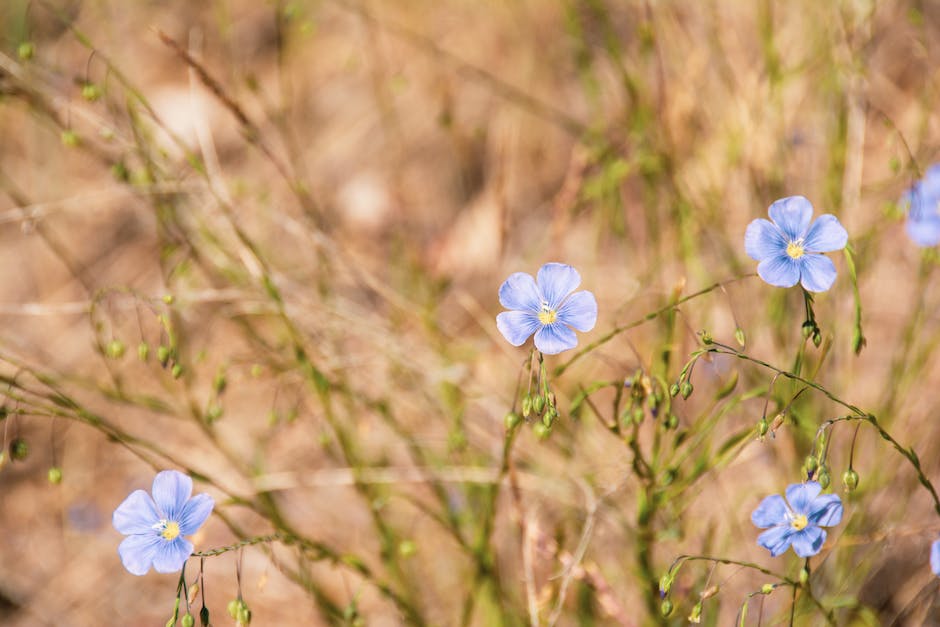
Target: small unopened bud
column 767, row 588
column 54, row 475
column 804, row 576
column 19, row 449
column 512, row 420
column 541, row 431
column 220, row 382
column 169, row 299
column 817, row 338
column 686, row 389
column 810, row 465
column 665, row 583
column 824, row 478
column 143, row 351
column 695, row 616
column 69, row 138
column 763, row 427
column 538, row 404
column 707, row 338
column 233, row 607
column 549, row 416
column 91, row 92
column 187, row 620
column 672, row 422
column 808, row 327
column 163, row 355
column 243, row 619
column 115, row 349
column 665, row 608
column 739, row 337
column 204, row 616
column 850, row 480
column 674, row 390
column 407, row 548
column 638, row 415
column 526, row 405
column 26, row 50
column 176, row 371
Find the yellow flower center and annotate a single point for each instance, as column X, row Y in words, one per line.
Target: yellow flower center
column 799, row 522
column 547, row 315
column 795, row 249
column 170, row 529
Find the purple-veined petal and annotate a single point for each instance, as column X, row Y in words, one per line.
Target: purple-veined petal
column 171, row 490
column 924, row 231
column 194, row 513
column 817, row 273
column 137, row 552
column 800, row 496
column 519, row 292
column 825, row 510
column 517, row 326
column 781, row 271
column 771, row 511
column 776, row 539
column 935, row 558
column 137, row 514
column 792, row 215
column 556, row 281
column 579, row 311
column 930, row 185
column 170, row 556
column 808, row 541
column 763, row 239
column 555, row 338
column 826, row 235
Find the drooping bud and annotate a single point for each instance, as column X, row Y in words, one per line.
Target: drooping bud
column 804, row 576
column 512, row 420
column 163, row 355
column 233, row 607
column 115, row 349
column 204, row 616
column 686, row 389
column 808, row 327
column 695, row 616
column 674, row 390
column 187, row 620
column 850, row 480
column 817, row 338
column 824, row 478
column 54, row 475
column 19, row 449
column 541, row 431
column 665, row 608
column 143, row 351
column 538, row 404
column 739, row 337
column 767, row 588
column 407, row 548
column 526, row 405
column 91, row 92
column 672, row 422
column 707, row 338
column 69, row 138
column 810, row 465
column 176, row 371
column 26, row 50
column 763, row 427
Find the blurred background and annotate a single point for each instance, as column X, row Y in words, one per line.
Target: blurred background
column 261, row 242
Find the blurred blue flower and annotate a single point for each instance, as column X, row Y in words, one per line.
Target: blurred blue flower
column 789, row 248
column 935, row 558
column 922, row 202
column 155, row 526
column 797, row 520
column 546, row 306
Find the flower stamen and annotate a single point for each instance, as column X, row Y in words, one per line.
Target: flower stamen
column 168, row 529
column 795, row 249
column 547, row 315
column 799, row 522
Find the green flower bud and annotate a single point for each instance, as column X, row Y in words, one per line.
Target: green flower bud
column 169, row 299
column 665, row 608
column 54, row 475
column 526, row 405
column 91, row 92
column 850, row 480
column 220, row 382
column 695, row 616
column 739, row 337
column 672, row 422
column 808, row 327
column 26, row 50
column 665, row 583
column 243, row 619
column 804, row 576
column 817, row 338
column 707, row 338
column 512, row 420
column 674, row 390
column 143, row 351
column 538, row 404
column 686, row 389
column 204, row 616
column 763, row 427
column 256, row 370
column 213, row 413
column 176, row 371
column 163, row 355
column 187, row 620
column 811, row 464
column 824, row 478
column 407, row 548
column 233, row 606
column 767, row 588
column 549, row 416
column 541, row 431
column 115, row 349
column 69, row 138
column 19, row 449
column 638, row 415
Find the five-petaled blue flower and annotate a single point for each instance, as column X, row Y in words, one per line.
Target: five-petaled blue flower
column 155, row 526
column 923, row 208
column 935, row 558
column 546, row 307
column 798, row 520
column 789, row 248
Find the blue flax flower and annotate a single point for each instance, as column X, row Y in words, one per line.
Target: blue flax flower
column 798, row 520
column 789, row 248
column 935, row 558
column 546, row 306
column 923, row 208
column 155, row 526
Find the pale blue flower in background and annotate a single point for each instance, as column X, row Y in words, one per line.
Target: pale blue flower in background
column 922, row 202
column 155, row 526
column 935, row 558
column 546, row 307
column 789, row 248
column 798, row 520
